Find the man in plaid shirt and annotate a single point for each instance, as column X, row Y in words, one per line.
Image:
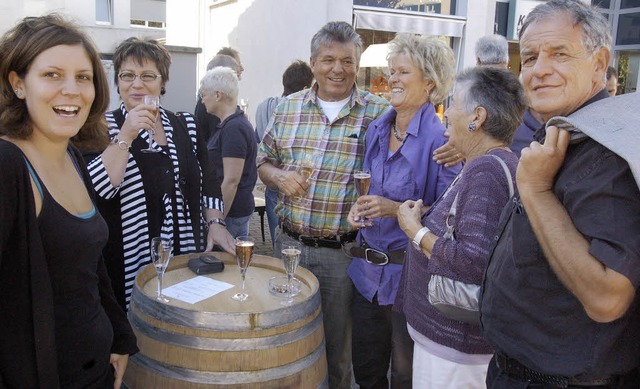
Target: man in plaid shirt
column 321, row 130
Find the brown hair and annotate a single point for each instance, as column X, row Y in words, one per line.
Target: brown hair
column 140, row 50
column 20, row 46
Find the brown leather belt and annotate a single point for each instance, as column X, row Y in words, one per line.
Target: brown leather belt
column 377, row 257
column 515, row 369
column 332, row 242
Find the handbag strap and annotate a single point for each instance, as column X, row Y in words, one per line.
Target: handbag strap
column 452, row 211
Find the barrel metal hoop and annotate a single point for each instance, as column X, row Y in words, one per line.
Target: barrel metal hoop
column 221, row 344
column 236, row 377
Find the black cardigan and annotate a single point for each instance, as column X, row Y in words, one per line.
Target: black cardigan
column 28, row 356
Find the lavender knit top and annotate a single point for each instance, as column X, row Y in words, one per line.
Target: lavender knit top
column 483, row 192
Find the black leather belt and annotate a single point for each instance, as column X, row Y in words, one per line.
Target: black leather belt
column 332, row 242
column 377, row 257
column 516, row 370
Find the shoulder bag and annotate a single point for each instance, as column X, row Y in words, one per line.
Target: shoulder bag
column 455, row 299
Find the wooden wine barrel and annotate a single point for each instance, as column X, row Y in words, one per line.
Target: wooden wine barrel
column 220, row 342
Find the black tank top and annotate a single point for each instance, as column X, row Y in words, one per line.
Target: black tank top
column 83, row 331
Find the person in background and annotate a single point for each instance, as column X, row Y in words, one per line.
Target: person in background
column 399, row 145
column 296, row 77
column 232, row 149
column 207, row 123
column 559, row 300
column 492, row 50
column 612, row 81
column 454, row 236
column 231, row 52
column 62, row 326
column 326, row 123
column 167, row 192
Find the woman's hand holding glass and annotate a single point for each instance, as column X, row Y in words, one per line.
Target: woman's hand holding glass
column 140, row 118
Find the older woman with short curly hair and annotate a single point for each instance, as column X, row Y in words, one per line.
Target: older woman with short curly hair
column 399, row 146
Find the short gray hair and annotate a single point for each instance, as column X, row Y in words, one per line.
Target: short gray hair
column 595, row 28
column 221, row 79
column 492, row 50
column 432, row 56
column 340, row 32
column 500, row 93
column 224, row 60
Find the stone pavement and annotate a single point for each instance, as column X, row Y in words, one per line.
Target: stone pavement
column 262, row 248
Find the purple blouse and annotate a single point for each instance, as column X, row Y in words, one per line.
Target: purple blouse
column 483, row 191
column 408, row 174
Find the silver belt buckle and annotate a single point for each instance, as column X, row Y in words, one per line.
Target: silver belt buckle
column 369, row 250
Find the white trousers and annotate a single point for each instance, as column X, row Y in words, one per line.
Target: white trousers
column 430, row 371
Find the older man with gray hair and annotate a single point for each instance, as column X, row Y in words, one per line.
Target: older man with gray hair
column 327, row 124
column 559, row 302
column 492, row 50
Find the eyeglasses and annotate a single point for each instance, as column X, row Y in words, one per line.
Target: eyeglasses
column 145, row 77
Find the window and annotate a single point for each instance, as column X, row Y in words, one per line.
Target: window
column 103, row 11
column 628, row 29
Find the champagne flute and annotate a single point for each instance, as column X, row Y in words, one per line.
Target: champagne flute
column 160, row 256
column 154, row 101
column 362, row 179
column 244, row 253
column 290, row 258
column 306, row 168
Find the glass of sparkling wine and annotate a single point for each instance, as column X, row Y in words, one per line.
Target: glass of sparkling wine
column 160, row 256
column 306, row 168
column 153, row 101
column 244, row 253
column 362, row 180
column 290, row 258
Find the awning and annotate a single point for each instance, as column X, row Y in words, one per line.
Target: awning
column 374, row 56
column 394, row 20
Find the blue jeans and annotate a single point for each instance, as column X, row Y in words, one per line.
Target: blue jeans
column 336, row 292
column 238, row 226
column 271, row 200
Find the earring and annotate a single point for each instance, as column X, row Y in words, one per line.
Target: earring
column 163, row 91
column 18, row 93
column 472, row 126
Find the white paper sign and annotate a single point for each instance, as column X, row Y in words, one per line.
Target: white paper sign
column 196, row 289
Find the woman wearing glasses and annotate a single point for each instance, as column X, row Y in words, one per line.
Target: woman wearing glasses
column 150, row 179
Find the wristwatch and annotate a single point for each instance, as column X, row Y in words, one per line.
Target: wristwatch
column 217, row 220
column 418, row 238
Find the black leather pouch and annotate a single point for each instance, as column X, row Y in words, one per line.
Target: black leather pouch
column 206, row 264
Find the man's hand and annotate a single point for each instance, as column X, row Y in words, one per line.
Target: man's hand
column 291, row 183
column 447, row 155
column 119, row 363
column 219, row 235
column 539, row 163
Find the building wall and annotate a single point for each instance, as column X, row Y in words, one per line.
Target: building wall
column 269, row 34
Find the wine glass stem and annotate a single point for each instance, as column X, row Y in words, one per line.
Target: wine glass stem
column 160, row 285
column 150, row 139
column 242, row 272
column 289, row 276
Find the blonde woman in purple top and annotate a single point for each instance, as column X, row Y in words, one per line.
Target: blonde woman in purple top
column 399, row 147
column 486, row 110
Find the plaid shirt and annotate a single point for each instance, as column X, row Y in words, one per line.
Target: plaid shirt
column 298, row 126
